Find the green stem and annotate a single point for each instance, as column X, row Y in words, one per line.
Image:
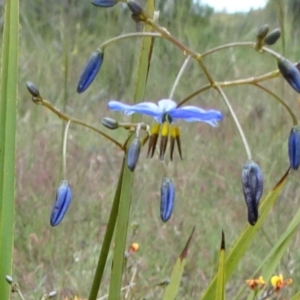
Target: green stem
column 179, row 75
column 67, row 118
column 282, row 102
column 64, row 150
column 107, row 238
column 127, row 36
column 236, row 121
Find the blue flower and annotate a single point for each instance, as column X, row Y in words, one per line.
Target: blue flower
column 167, row 110
column 165, row 113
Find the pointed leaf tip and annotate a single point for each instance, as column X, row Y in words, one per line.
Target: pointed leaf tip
column 184, row 252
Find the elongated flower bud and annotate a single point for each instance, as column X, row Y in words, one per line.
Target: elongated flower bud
column 104, row 3
column 133, row 154
column 290, row 73
column 252, row 180
column 272, row 37
column 134, row 7
column 167, row 199
column 262, row 32
column 109, row 123
column 294, row 147
column 32, row 89
column 61, row 204
column 90, row 70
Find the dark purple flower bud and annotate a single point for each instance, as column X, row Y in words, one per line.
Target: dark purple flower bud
column 90, row 70
column 272, row 37
column 167, row 199
column 252, row 180
column 294, row 147
column 109, row 123
column 290, row 73
column 32, row 89
column 262, row 32
column 61, row 204
column 134, row 7
column 104, row 3
column 133, row 154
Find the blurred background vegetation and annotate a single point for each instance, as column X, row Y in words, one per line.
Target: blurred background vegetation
column 56, row 40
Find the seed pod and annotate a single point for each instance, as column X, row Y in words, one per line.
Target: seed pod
column 133, row 154
column 167, row 198
column 32, row 89
column 109, row 123
column 90, row 70
column 272, row 37
column 290, row 73
column 61, row 204
column 294, row 147
column 104, row 3
column 252, row 180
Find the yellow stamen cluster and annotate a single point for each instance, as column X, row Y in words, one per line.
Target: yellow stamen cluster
column 165, row 130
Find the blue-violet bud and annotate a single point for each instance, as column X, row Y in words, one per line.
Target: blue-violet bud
column 61, row 204
column 252, row 180
column 167, row 199
column 90, row 70
column 104, row 3
column 32, row 89
column 294, row 147
column 290, row 73
column 133, row 154
column 134, row 7
column 272, row 37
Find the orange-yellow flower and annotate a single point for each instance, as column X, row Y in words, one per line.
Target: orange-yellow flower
column 278, row 283
column 256, row 284
column 134, row 247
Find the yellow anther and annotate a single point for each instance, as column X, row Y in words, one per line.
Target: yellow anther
column 165, row 129
column 155, row 128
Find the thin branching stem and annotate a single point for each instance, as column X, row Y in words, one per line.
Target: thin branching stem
column 67, row 118
column 127, row 36
column 179, row 75
column 64, row 150
column 236, row 121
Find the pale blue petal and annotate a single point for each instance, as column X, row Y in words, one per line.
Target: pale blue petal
column 166, row 105
column 196, row 114
column 146, row 108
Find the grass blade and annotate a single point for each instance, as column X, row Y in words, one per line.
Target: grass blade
column 124, row 208
column 243, row 242
column 220, row 291
column 8, row 104
column 172, row 288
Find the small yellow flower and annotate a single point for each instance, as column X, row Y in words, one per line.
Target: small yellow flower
column 256, row 284
column 278, row 283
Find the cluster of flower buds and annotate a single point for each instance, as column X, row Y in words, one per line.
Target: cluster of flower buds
column 252, row 181
column 61, row 204
column 167, row 199
column 264, row 37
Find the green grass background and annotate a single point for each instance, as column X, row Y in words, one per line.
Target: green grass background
column 55, row 41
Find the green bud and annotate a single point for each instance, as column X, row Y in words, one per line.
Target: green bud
column 109, row 123
column 9, row 279
column 272, row 37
